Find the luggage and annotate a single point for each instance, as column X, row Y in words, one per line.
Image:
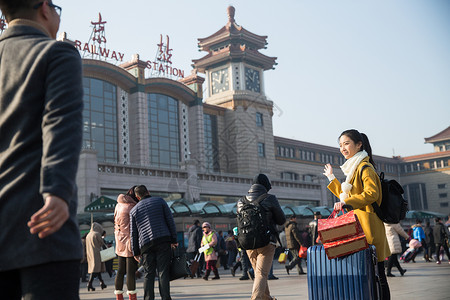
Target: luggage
column 194, row 264
column 408, row 254
column 283, row 256
column 351, row 277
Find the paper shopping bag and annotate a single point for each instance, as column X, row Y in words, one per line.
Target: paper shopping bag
column 346, row 246
column 333, row 229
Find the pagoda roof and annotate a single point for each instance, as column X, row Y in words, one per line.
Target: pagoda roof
column 232, row 32
column 234, row 53
column 444, row 135
column 233, row 43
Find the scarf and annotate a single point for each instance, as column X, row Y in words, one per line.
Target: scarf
column 349, row 168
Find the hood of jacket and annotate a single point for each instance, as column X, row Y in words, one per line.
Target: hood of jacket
column 97, row 227
column 125, row 199
column 255, row 191
column 192, row 228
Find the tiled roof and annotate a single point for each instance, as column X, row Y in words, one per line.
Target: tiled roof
column 444, row 135
column 426, row 156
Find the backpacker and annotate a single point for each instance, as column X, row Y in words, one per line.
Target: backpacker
column 253, row 228
column 393, row 207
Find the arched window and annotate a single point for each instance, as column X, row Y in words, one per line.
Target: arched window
column 163, row 130
column 100, row 118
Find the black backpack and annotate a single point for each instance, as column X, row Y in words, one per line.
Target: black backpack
column 393, row 207
column 253, row 228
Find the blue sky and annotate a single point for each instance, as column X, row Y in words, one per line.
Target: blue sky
column 382, row 67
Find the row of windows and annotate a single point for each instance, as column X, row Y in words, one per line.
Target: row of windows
column 424, row 165
column 308, row 155
column 291, row 176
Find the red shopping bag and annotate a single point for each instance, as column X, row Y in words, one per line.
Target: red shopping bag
column 303, row 252
column 338, row 228
column 346, row 246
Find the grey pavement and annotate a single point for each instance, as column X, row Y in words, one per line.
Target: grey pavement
column 422, row 280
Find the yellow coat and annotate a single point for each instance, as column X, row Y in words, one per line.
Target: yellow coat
column 360, row 198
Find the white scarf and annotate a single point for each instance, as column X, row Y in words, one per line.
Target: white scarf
column 349, row 168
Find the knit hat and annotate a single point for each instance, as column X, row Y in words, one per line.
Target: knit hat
column 262, row 180
column 206, row 224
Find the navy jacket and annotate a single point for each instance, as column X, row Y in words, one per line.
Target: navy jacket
column 151, row 224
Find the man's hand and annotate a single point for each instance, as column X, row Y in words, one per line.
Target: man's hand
column 174, row 245
column 50, row 217
column 137, row 258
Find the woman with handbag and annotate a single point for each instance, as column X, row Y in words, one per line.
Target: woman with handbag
column 360, row 190
column 127, row 264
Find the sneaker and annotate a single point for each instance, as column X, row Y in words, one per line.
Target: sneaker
column 438, row 262
column 402, row 272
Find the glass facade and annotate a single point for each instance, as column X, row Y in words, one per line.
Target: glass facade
column 417, row 196
column 211, row 144
column 100, row 119
column 164, row 131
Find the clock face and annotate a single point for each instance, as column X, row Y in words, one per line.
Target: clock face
column 252, row 81
column 220, row 81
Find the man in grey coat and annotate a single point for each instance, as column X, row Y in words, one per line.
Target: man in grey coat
column 40, row 140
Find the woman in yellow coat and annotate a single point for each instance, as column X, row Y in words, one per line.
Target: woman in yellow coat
column 360, row 190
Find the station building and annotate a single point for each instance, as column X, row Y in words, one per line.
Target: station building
column 198, row 141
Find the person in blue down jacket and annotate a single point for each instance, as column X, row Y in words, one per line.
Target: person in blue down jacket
column 419, row 234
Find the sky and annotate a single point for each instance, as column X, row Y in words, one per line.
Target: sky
column 382, row 67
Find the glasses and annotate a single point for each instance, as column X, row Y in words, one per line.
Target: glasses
column 57, row 8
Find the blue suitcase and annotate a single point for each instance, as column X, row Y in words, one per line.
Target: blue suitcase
column 350, row 277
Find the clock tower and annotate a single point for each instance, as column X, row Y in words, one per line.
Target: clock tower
column 234, row 70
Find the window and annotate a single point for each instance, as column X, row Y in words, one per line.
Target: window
column 443, row 204
column 442, row 186
column 261, row 150
column 259, row 119
column 100, row 118
column 164, row 136
column 417, row 196
column 211, row 143
column 308, row 178
column 289, row 176
column 443, row 195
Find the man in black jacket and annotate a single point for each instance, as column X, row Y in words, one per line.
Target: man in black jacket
column 261, row 258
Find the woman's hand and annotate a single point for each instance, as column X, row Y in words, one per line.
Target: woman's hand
column 338, row 206
column 328, row 170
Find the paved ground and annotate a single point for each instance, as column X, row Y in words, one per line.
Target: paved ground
column 421, row 281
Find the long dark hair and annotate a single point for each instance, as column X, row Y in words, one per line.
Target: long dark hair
column 357, row 137
column 132, row 194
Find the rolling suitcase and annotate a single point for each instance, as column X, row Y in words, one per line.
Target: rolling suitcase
column 408, row 254
column 350, row 277
column 194, row 265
